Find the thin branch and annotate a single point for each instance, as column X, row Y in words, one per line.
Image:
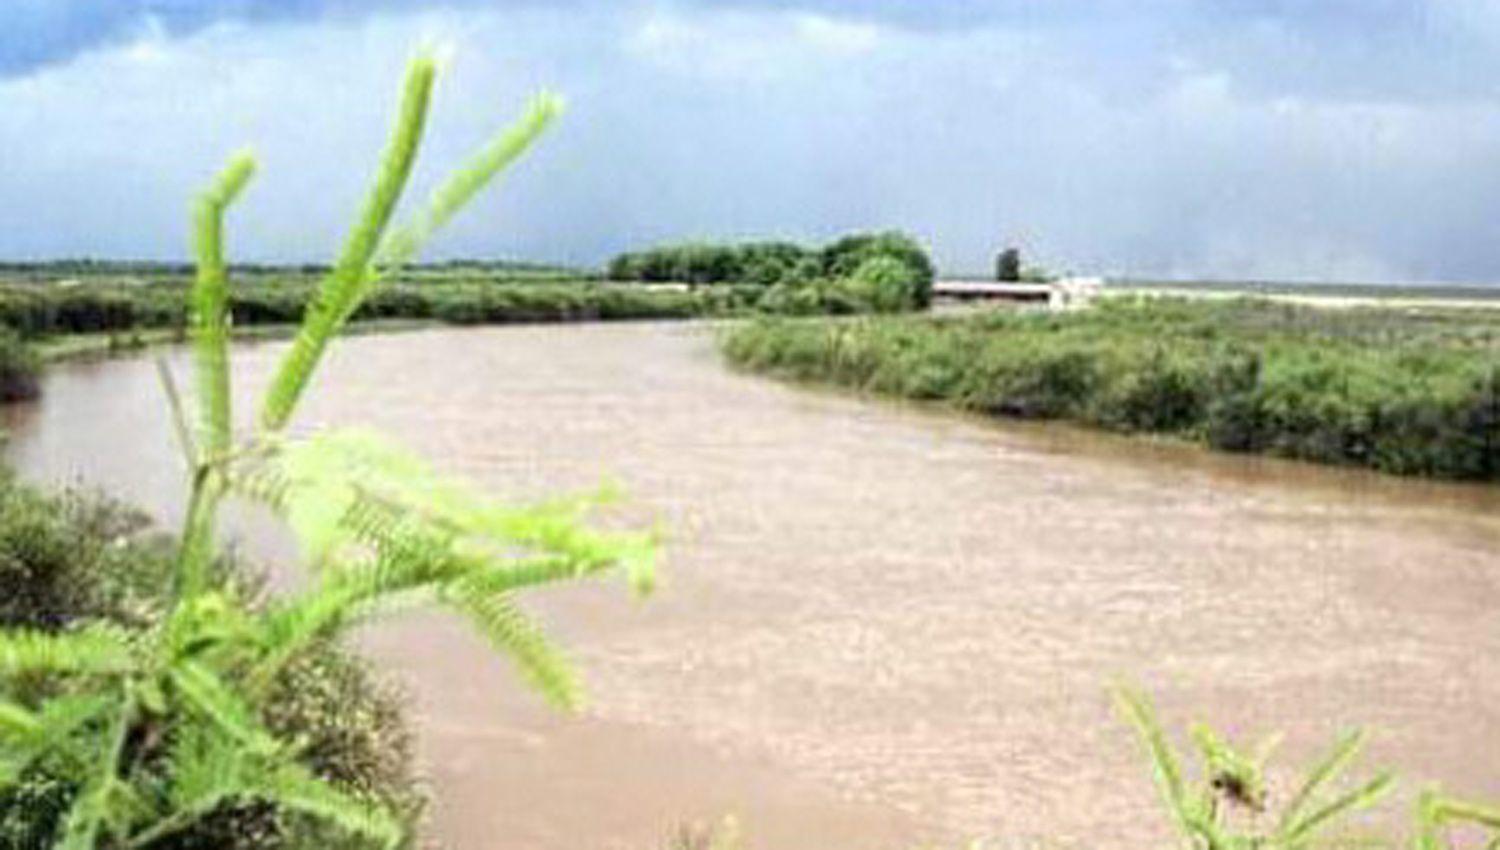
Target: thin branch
column 179, row 415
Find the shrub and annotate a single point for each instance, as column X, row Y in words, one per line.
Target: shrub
column 76, row 559
column 842, row 258
column 792, row 299
column 19, row 368
column 883, row 284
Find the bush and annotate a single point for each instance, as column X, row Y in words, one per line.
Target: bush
column 844, row 257
column 883, row 284
column 19, row 368
column 71, row 559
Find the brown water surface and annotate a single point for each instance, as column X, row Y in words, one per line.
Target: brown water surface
column 880, row 625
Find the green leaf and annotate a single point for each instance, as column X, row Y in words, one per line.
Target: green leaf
column 97, row 650
column 1137, row 709
column 85, row 818
column 215, row 700
column 1362, row 797
column 18, row 723
column 59, row 726
column 204, row 770
column 294, row 789
column 207, row 770
column 1321, row 773
column 513, row 633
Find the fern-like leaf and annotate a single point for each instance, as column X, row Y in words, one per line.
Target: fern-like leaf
column 97, row 650
column 212, row 698
column 293, row 788
column 18, row 723
column 207, row 770
column 513, row 633
column 204, row 770
column 82, row 824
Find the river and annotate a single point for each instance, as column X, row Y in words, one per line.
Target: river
column 879, row 625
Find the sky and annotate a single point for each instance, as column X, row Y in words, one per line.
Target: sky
column 1346, row 140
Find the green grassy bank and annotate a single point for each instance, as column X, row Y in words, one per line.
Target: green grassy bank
column 48, row 320
column 1412, row 392
column 38, row 311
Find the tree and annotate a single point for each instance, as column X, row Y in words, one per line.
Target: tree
column 1008, row 266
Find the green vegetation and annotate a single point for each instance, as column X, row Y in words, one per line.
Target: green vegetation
column 1225, row 809
column 19, row 368
column 794, row 279
column 73, row 307
column 46, row 311
column 1221, row 811
column 150, row 730
column 75, row 561
column 1410, row 392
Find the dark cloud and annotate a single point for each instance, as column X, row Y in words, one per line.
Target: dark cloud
column 1216, row 137
column 39, row 33
column 42, row 32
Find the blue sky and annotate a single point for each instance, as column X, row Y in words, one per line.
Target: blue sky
column 1319, row 139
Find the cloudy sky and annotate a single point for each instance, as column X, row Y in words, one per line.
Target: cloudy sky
column 1320, row 139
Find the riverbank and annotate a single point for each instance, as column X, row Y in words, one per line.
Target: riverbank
column 83, row 346
column 1404, row 390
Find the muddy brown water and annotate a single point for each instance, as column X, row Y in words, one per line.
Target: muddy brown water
column 879, row 625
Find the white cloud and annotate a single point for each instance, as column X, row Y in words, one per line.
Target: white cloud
column 749, row 46
column 834, row 36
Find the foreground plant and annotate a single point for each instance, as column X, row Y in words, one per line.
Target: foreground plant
column 1226, row 808
column 1437, row 813
column 152, row 730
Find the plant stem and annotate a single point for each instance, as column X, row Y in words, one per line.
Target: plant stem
column 197, row 534
column 179, row 417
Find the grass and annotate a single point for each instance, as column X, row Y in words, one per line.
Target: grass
column 1413, row 391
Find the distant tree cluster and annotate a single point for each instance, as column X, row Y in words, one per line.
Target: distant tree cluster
column 786, row 264
column 700, row 263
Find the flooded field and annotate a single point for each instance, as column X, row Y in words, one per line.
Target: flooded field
column 879, row 625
